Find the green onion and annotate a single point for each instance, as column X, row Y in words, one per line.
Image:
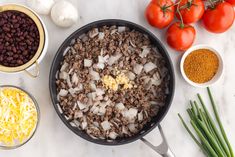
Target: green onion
column 212, row 141
column 219, row 122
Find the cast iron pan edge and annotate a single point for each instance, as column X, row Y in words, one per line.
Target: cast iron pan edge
column 59, row 57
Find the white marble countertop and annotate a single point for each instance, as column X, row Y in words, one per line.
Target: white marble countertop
column 54, row 139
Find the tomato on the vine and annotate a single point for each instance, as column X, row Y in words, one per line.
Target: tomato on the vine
column 191, row 10
column 218, row 18
column 160, row 13
column 180, row 36
column 232, row 2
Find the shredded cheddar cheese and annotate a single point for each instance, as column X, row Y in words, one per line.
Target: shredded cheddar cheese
column 113, row 83
column 18, row 116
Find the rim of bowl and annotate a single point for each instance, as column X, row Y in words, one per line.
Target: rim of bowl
column 5, row 147
column 215, row 78
column 38, row 22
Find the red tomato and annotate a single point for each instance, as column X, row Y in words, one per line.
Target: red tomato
column 191, row 11
column 232, row 2
column 180, row 38
column 160, row 13
column 218, row 19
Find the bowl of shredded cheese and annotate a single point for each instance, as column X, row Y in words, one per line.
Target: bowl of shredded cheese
column 19, row 117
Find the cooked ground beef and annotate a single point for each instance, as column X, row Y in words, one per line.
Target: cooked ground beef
column 112, row 81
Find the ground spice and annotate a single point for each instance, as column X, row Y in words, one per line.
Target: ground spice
column 201, row 65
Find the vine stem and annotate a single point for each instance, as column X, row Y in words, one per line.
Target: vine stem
column 181, row 18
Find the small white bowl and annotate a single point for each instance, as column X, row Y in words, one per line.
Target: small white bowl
column 217, row 75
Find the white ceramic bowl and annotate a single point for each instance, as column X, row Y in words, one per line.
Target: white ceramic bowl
column 217, row 75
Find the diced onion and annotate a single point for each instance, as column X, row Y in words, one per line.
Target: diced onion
column 101, row 36
column 113, row 135
column 87, row 62
column 145, row 52
column 94, row 32
column 63, row 92
column 64, row 66
column 131, row 76
column 121, row 29
column 95, row 75
column 113, row 59
column 81, row 105
column 149, row 66
column 138, row 68
column 106, row 125
column 120, row 106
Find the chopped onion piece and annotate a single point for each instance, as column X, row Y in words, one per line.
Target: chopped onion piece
column 100, row 65
column 138, row 68
column 113, row 135
column 106, row 58
column 132, row 128
column 78, row 114
column 101, row 36
column 81, row 105
column 113, row 59
column 75, row 79
column 93, row 86
column 153, row 102
column 95, row 75
column 113, row 31
column 106, row 125
column 87, row 62
column 156, row 76
column 131, row 75
column 130, row 114
column 63, row 92
column 77, row 123
column 149, row 66
column 102, row 110
column 99, row 92
column 63, row 75
column 64, row 66
column 140, row 116
column 133, row 45
column 94, row 32
column 69, row 82
column 121, row 29
column 156, row 82
column 120, row 106
column 145, row 52
column 72, row 91
column 84, row 125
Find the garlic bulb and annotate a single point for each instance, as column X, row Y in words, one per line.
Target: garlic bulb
column 64, row 14
column 41, row 6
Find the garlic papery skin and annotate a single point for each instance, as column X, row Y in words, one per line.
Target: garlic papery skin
column 41, row 6
column 64, row 14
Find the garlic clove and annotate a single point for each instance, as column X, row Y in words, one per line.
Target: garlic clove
column 64, row 14
column 41, row 6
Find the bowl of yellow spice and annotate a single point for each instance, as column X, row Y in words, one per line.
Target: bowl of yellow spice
column 19, row 116
column 201, row 66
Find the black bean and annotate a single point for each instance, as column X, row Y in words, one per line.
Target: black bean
column 19, row 38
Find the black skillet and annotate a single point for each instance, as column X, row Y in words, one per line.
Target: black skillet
column 163, row 149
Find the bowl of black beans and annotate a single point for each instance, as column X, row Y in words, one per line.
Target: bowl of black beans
column 23, row 39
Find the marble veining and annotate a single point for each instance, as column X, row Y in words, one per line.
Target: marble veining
column 54, row 139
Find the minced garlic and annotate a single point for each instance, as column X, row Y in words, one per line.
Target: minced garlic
column 113, row 83
column 18, row 116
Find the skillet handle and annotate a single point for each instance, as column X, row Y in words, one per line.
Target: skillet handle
column 163, row 149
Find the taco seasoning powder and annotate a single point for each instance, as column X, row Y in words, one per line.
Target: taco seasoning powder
column 201, row 65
